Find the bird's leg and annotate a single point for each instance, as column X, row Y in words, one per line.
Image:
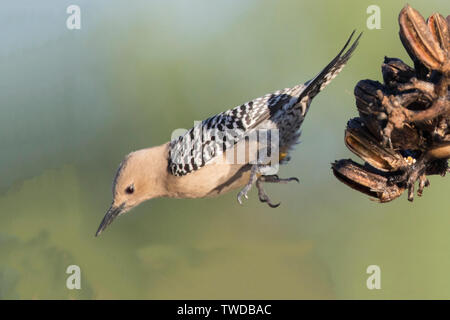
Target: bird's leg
column 263, row 197
column 248, row 186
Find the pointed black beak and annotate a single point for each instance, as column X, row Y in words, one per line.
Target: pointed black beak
column 110, row 215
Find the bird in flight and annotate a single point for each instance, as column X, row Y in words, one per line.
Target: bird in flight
column 237, row 148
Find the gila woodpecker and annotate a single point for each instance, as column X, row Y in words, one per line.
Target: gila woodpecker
column 204, row 162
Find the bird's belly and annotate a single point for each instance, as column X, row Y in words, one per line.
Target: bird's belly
column 211, row 180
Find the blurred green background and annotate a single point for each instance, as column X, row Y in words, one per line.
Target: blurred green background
column 74, row 102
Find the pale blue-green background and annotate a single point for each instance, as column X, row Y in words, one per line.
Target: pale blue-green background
column 73, row 103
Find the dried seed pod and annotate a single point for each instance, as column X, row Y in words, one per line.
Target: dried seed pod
column 419, row 42
column 369, row 182
column 440, row 31
column 367, row 95
column 359, row 140
column 403, row 132
column 440, row 151
column 370, row 96
column 395, row 71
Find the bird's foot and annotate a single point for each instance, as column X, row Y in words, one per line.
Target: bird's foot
column 248, row 186
column 263, row 197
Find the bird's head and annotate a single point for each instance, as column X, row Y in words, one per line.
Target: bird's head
column 140, row 177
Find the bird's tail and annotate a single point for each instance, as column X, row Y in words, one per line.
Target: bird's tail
column 319, row 82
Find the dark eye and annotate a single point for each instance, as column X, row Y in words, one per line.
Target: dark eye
column 129, row 189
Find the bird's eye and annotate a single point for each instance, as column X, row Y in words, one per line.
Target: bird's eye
column 129, row 189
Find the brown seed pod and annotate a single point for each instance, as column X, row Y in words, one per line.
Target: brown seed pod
column 403, row 129
column 395, row 72
column 359, row 140
column 369, row 182
column 440, row 31
column 419, row 41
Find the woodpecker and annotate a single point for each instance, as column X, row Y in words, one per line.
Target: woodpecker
column 197, row 164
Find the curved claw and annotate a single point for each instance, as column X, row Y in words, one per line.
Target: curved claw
column 243, row 192
column 274, row 205
column 264, row 198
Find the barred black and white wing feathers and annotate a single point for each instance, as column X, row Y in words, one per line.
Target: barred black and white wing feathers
column 216, row 134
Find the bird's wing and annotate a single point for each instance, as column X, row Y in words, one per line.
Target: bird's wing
column 213, row 136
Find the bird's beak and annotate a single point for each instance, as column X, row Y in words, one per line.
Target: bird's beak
column 110, row 215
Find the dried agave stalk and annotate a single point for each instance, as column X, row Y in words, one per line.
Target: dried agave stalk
column 403, row 128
